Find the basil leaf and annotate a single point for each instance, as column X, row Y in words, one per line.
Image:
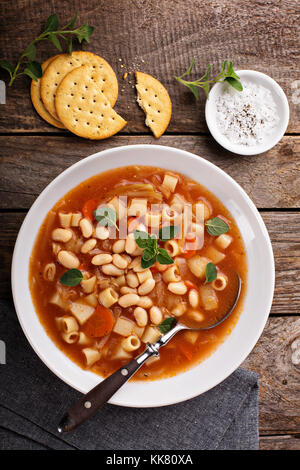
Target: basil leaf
column 166, row 233
column 210, row 272
column 4, row 64
column 147, row 263
column 51, row 23
column 141, row 238
column 234, row 83
column 72, row 277
column 148, row 254
column 216, row 226
column 54, row 39
column 167, row 325
column 106, row 216
column 163, row 257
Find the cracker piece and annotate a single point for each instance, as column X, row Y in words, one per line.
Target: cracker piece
column 83, row 108
column 58, row 69
column 35, row 93
column 155, row 101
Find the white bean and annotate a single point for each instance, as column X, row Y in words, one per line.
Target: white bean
column 193, row 298
column 86, row 227
column 132, row 280
column 128, row 290
column 178, row 288
column 119, row 246
column 146, row 287
column 68, row 259
column 141, row 316
column 112, row 270
column 102, row 232
column 128, row 300
column 103, row 258
column 88, row 245
column 155, row 315
column 62, row 235
column 145, row 302
column 119, row 261
column 130, row 244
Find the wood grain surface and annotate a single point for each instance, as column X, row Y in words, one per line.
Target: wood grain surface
column 161, row 38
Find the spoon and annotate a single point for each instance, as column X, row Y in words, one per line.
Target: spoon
column 87, row 406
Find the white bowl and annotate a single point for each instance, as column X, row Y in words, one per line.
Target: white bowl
column 280, row 101
column 259, row 291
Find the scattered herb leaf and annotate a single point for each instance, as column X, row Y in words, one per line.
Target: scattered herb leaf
column 151, row 251
column 227, row 74
column 51, row 33
column 216, row 226
column 168, row 232
column 106, row 216
column 72, row 277
column 210, row 272
column 167, row 325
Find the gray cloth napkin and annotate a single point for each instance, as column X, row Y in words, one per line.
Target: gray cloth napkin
column 33, row 400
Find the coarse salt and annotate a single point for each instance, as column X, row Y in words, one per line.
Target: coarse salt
column 246, row 117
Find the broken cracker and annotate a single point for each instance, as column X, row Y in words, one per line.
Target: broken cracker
column 155, row 101
column 83, row 108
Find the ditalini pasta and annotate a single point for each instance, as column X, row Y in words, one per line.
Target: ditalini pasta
column 102, row 294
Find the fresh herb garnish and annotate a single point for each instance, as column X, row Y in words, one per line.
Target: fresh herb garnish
column 210, row 273
column 216, row 226
column 227, row 74
column 72, row 277
column 52, row 33
column 167, row 325
column 106, row 216
column 152, row 252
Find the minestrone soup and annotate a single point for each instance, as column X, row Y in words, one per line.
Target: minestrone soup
column 122, row 255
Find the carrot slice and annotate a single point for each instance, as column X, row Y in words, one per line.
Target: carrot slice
column 186, row 350
column 190, row 285
column 88, row 208
column 100, row 323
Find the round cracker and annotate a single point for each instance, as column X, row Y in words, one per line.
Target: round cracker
column 35, row 94
column 83, row 108
column 155, row 101
column 64, row 64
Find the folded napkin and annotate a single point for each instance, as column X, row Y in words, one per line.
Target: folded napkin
column 33, row 400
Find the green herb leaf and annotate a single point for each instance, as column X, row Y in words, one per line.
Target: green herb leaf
column 4, row 64
column 227, row 74
column 70, row 45
column 168, row 232
column 147, row 263
column 84, row 32
column 167, row 325
column 54, row 39
column 72, row 22
column 234, row 83
column 148, row 254
column 30, row 52
column 216, row 226
column 33, row 70
column 72, row 277
column 163, row 257
column 210, row 272
column 52, row 23
column 106, row 216
column 142, row 238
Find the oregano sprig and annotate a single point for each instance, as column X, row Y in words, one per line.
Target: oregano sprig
column 152, row 252
column 106, row 216
column 227, row 74
column 27, row 65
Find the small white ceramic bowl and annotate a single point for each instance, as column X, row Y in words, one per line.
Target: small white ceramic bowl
column 280, row 101
column 259, row 290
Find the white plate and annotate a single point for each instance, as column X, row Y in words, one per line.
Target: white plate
column 259, row 291
column 281, row 102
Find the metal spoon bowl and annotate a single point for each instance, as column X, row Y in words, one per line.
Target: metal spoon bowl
column 86, row 406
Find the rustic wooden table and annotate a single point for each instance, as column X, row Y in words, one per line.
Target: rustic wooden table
column 161, row 38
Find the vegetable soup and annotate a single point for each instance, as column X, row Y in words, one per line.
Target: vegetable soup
column 123, row 256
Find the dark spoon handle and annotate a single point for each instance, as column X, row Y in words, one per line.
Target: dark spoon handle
column 86, row 406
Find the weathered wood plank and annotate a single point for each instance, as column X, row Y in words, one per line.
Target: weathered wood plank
column 287, row 442
column 283, row 229
column 279, row 398
column 161, row 38
column 28, row 164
